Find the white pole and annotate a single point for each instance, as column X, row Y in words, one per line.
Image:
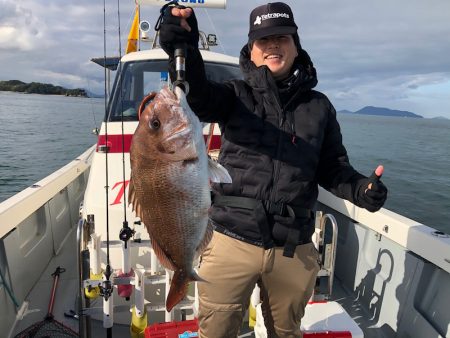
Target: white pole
column 126, row 262
column 95, row 252
column 153, row 262
column 139, row 292
column 108, row 312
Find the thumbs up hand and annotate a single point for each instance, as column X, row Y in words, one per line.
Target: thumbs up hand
column 373, row 193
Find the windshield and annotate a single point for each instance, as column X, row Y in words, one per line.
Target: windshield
column 139, row 78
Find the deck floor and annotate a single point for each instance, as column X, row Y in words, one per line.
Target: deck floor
column 66, row 292
column 66, row 299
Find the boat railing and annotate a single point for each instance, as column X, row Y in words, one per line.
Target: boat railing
column 16, row 209
column 205, row 40
column 326, row 244
column 429, row 243
column 34, row 226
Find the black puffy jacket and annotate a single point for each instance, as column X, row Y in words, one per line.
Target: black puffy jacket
column 279, row 141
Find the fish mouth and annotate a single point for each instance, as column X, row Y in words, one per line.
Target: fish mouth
column 182, row 131
column 179, row 145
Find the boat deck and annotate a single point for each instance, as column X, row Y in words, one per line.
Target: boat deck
column 67, row 290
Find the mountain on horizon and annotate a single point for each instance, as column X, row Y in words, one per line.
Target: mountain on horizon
column 345, row 111
column 40, row 88
column 370, row 110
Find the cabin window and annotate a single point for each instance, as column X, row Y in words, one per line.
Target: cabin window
column 134, row 80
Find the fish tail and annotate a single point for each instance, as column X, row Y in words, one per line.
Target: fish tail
column 179, row 287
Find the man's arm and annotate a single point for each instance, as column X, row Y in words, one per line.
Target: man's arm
column 337, row 175
column 211, row 101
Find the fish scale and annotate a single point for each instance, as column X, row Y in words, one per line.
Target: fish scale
column 169, row 186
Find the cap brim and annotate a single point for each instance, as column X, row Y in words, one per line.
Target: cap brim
column 268, row 31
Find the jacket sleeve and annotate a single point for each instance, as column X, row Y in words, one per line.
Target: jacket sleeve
column 335, row 173
column 210, row 101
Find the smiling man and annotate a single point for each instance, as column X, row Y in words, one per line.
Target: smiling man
column 277, row 52
column 271, row 38
column 280, row 140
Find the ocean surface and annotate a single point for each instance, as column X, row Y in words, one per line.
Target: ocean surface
column 43, row 133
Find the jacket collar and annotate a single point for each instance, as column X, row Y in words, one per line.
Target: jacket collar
column 261, row 79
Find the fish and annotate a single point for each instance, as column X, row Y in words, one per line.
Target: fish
column 169, row 187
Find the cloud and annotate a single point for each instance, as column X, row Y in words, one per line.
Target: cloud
column 20, row 30
column 385, row 53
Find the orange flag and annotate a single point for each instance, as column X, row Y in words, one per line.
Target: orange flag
column 133, row 36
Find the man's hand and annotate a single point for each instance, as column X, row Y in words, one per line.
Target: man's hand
column 373, row 193
column 184, row 14
column 178, row 29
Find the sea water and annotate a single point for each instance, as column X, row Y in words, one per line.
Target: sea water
column 43, row 133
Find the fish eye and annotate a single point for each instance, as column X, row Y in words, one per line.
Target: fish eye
column 155, row 123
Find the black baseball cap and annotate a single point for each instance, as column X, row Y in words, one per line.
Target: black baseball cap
column 275, row 18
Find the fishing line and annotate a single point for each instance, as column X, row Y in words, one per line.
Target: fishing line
column 125, row 223
column 126, row 232
column 215, row 31
column 90, row 101
column 8, row 289
column 107, row 286
column 108, row 267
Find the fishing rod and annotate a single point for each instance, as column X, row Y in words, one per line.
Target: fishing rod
column 126, row 232
column 107, row 288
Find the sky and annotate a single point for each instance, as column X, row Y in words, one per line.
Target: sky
column 384, row 53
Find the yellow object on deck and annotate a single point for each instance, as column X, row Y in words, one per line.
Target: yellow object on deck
column 138, row 324
column 94, row 292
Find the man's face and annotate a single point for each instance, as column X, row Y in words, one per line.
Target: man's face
column 277, row 52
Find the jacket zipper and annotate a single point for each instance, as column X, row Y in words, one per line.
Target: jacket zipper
column 277, row 162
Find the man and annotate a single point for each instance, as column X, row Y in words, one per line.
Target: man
column 280, row 139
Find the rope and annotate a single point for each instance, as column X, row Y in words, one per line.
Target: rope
column 8, row 289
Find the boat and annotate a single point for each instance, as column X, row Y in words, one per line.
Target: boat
column 382, row 274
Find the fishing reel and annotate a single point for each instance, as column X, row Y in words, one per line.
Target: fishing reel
column 126, row 233
column 107, row 287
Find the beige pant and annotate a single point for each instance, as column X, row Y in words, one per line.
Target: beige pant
column 232, row 268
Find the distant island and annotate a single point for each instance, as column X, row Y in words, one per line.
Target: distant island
column 370, row 110
column 40, row 88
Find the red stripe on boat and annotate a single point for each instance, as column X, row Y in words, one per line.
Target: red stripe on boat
column 115, row 143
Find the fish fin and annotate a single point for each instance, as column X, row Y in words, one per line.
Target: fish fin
column 133, row 200
column 162, row 257
column 206, row 239
column 131, row 194
column 218, row 173
column 178, row 289
column 179, row 286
